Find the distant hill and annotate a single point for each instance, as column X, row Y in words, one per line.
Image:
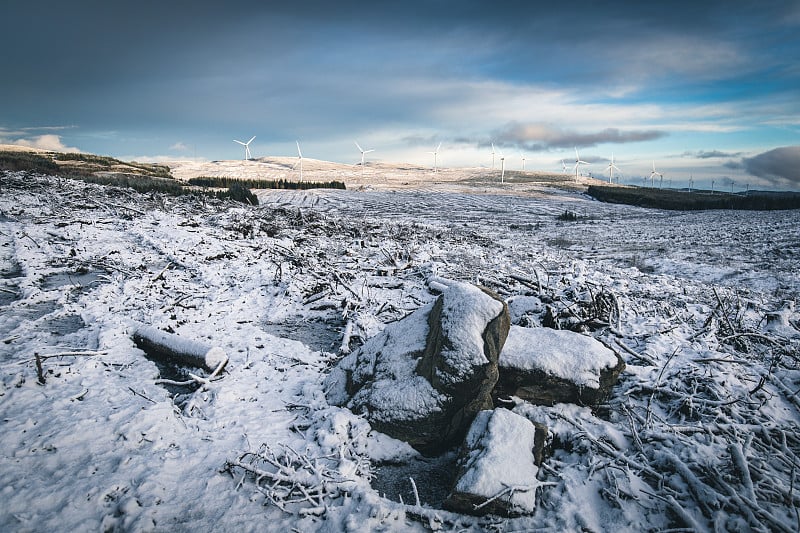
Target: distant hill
column 683, row 200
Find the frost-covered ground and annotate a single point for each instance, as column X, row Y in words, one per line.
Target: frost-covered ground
column 700, row 433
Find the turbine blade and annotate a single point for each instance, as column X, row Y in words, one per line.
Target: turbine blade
column 368, row 151
column 359, row 147
column 251, row 139
column 299, row 153
column 437, row 148
column 240, row 142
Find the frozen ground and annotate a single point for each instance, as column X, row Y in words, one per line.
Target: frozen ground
column 700, row 433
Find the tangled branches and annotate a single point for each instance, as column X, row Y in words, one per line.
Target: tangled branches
column 291, row 480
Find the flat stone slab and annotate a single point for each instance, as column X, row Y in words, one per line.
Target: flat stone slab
column 547, row 366
column 496, row 468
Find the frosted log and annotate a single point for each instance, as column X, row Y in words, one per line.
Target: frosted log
column 176, row 349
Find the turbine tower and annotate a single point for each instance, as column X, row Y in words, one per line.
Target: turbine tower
column 611, row 166
column 523, row 161
column 299, row 159
column 578, row 163
column 363, row 152
column 502, row 168
column 246, row 145
column 653, row 175
column 493, row 156
column 435, row 155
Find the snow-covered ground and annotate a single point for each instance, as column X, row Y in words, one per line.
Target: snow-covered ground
column 700, row 433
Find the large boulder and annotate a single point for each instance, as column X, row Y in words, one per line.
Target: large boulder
column 546, row 366
column 497, row 466
column 424, row 378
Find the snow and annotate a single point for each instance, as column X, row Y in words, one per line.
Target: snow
column 564, row 354
column 466, row 312
column 500, row 461
column 101, row 445
column 393, row 390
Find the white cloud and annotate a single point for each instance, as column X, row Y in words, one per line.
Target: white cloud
column 47, row 142
column 179, row 147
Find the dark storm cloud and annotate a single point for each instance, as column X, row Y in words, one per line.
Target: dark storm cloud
column 421, row 140
column 540, row 137
column 711, row 154
column 182, row 68
column 780, row 166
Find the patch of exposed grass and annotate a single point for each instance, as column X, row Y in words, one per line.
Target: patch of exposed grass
column 568, row 216
column 29, row 161
column 106, row 162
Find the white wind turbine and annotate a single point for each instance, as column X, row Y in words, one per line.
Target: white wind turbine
column 611, row 166
column 523, row 160
column 653, row 175
column 563, row 167
column 246, row 147
column 435, row 155
column 502, row 166
column 363, row 153
column 578, row 163
column 493, row 156
column 299, row 159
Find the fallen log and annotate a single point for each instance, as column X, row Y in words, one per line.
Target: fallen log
column 173, row 348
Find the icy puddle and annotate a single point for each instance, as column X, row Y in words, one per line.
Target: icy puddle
column 433, row 477
column 318, row 334
column 78, row 279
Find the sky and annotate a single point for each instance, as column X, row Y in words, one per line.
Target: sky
column 702, row 90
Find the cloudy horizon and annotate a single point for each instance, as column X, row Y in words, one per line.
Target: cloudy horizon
column 701, row 89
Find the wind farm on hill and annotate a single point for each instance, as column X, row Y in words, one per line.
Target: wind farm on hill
column 365, row 174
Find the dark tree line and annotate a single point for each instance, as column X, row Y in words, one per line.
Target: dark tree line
column 222, row 182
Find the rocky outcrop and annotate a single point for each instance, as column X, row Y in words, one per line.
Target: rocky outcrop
column 497, row 466
column 546, row 366
column 424, row 378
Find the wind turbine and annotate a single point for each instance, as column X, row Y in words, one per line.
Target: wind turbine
column 578, row 163
column 502, row 168
column 611, row 166
column 523, row 160
column 299, row 159
column 363, row 152
column 492, row 156
column 246, row 147
column 653, row 174
column 563, row 167
column 435, row 154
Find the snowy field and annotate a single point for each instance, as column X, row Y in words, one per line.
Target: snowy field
column 700, row 433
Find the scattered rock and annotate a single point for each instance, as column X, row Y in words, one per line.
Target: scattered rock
column 546, row 366
column 424, row 378
column 496, row 467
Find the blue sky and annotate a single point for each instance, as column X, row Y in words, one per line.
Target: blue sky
column 703, row 89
